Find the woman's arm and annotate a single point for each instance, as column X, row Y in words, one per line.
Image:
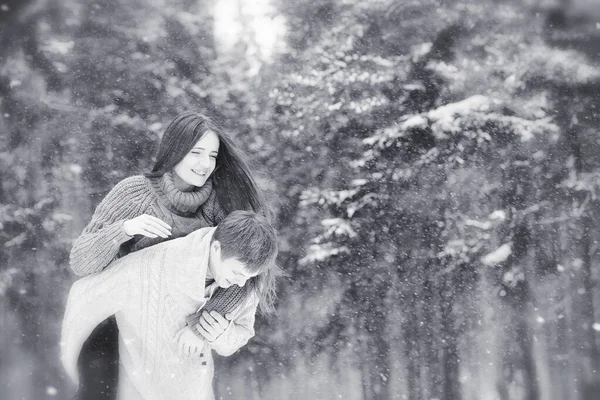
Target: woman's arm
column 101, row 239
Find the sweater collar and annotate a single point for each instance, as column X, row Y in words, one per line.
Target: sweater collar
column 184, row 202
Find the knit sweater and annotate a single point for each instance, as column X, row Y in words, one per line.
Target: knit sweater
column 151, row 291
column 103, row 240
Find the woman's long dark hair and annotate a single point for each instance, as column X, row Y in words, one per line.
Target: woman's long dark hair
column 232, row 178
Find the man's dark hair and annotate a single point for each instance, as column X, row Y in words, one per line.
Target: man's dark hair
column 249, row 238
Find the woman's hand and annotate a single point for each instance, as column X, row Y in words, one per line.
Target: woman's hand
column 212, row 325
column 148, row 226
column 188, row 343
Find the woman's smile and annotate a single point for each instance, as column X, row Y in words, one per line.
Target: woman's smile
column 195, row 168
column 199, row 172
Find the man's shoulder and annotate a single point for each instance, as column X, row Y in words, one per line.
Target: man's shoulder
column 201, row 233
column 192, row 241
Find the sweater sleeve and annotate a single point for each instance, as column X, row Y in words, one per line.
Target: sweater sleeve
column 239, row 331
column 91, row 300
column 102, row 238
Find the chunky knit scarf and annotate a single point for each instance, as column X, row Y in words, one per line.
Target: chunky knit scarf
column 223, row 301
column 184, row 202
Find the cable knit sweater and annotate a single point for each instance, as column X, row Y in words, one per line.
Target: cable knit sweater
column 151, row 291
column 104, row 240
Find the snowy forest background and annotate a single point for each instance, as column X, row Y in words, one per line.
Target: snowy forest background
column 435, row 162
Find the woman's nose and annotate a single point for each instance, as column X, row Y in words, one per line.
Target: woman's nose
column 204, row 162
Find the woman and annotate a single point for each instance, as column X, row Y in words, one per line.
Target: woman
column 198, row 178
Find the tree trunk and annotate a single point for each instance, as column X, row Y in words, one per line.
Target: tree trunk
column 450, row 358
column 363, row 357
column 588, row 357
column 379, row 359
column 412, row 351
column 518, row 354
column 430, row 346
column 522, row 303
column 524, row 338
column 584, row 336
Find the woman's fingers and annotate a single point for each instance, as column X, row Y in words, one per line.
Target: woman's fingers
column 146, row 233
column 157, row 228
column 147, row 225
column 159, row 222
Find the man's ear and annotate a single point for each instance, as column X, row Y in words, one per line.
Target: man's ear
column 216, row 247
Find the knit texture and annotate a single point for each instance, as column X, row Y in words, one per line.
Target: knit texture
column 223, row 301
column 181, row 202
column 151, row 292
column 104, row 239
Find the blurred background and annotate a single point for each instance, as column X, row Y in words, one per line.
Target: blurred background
column 436, row 166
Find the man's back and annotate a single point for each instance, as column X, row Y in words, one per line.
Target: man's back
column 151, row 292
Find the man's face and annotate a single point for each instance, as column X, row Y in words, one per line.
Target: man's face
column 228, row 271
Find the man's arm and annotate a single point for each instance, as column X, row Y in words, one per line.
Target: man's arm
column 91, row 300
column 237, row 331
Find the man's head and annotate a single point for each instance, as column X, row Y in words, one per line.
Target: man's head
column 243, row 246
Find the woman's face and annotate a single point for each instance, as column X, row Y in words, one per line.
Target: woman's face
column 198, row 164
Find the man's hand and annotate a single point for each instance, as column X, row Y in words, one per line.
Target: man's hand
column 188, row 343
column 212, row 325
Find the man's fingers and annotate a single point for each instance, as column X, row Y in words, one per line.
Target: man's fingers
column 209, row 318
column 178, row 334
column 207, row 327
column 207, row 335
column 219, row 318
column 216, row 320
